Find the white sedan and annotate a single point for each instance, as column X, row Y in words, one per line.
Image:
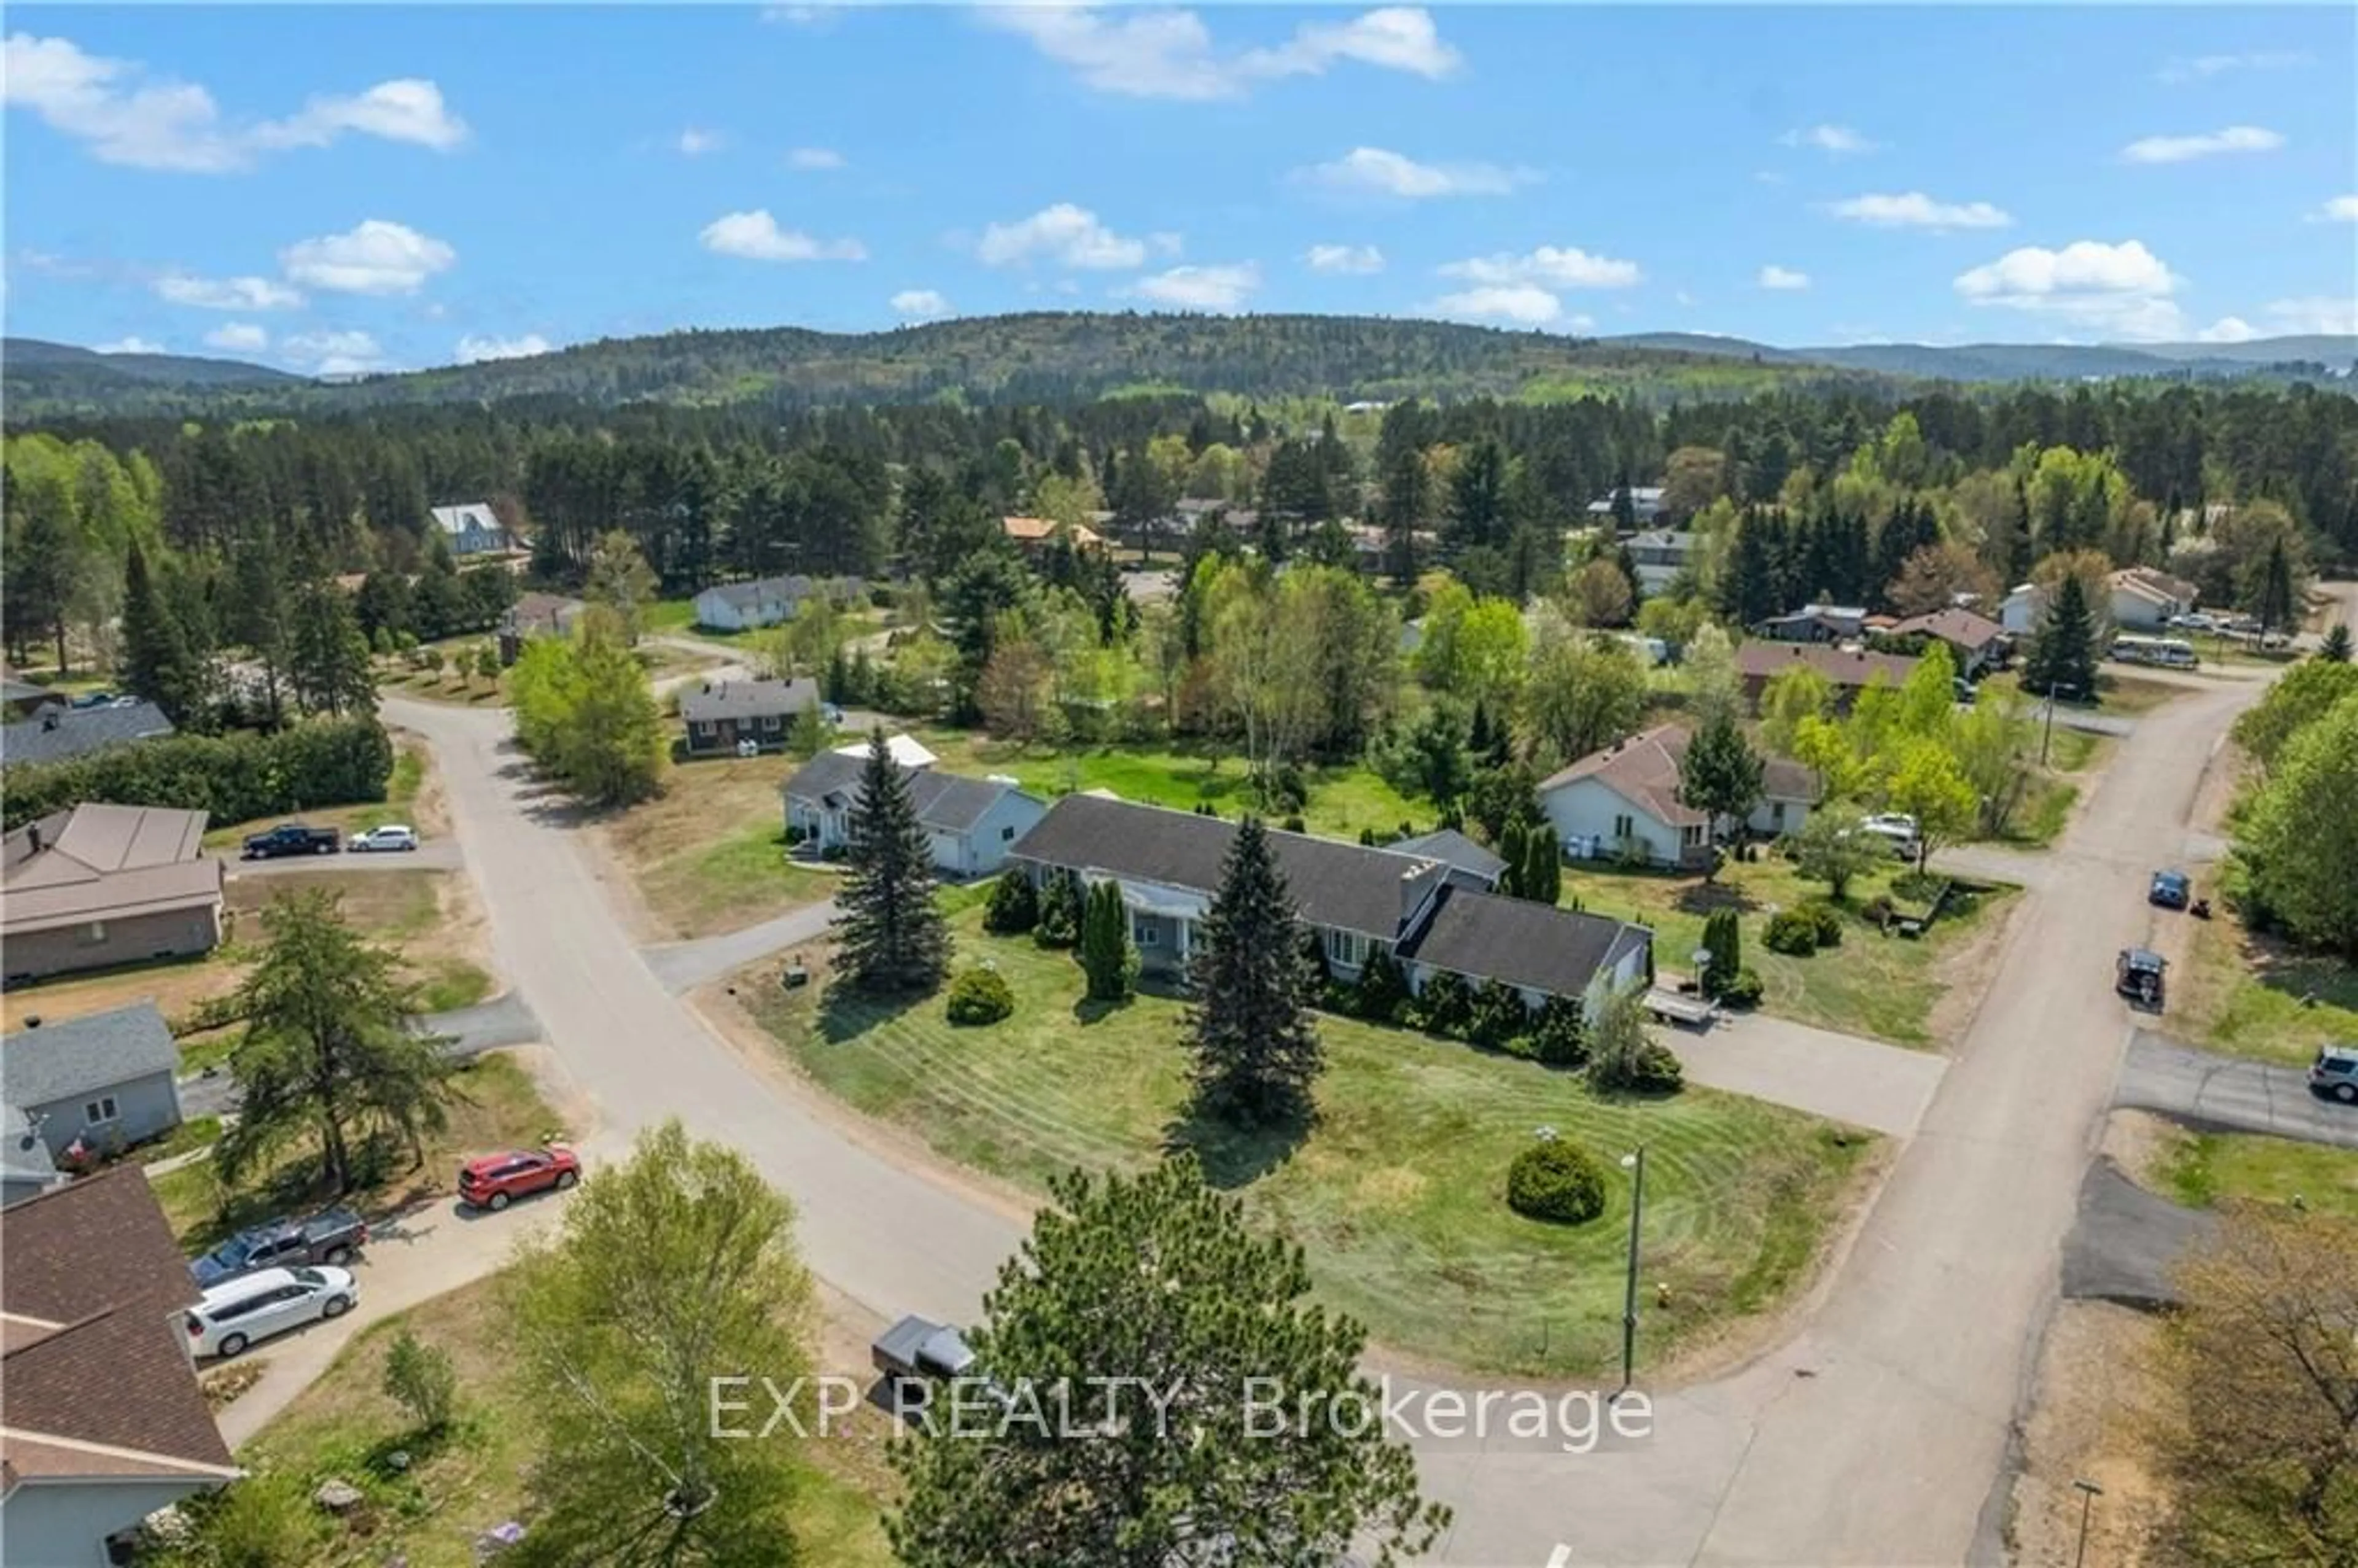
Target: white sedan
column 391, row 837
column 256, row 1306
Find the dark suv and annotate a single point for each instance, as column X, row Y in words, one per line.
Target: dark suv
column 2334, row 1074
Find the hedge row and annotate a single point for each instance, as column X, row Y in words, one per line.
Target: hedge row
column 234, row 778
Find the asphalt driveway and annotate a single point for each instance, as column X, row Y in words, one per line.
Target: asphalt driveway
column 2207, row 1090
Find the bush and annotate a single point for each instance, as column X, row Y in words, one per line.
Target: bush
column 1826, row 919
column 1014, row 906
column 420, row 1380
column 1792, row 932
column 1557, row 1182
column 1499, row 1017
column 1650, row 1069
column 1445, row 1007
column 979, row 996
column 1744, row 990
column 1059, row 925
column 1381, row 993
column 232, row 778
column 1560, row 1039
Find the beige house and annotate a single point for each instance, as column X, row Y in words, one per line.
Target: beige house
column 99, row 885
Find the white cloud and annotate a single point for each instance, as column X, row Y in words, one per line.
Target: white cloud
column 814, row 157
column 755, row 236
column 1524, row 304
column 2202, row 67
column 125, row 119
column 133, row 345
column 1550, row 267
column 228, row 292
column 1201, row 287
column 239, row 337
column 1375, row 171
column 2318, row 313
column 1358, row 260
column 473, row 350
column 2339, row 210
column 1170, row 54
column 2121, row 289
column 2181, row 149
column 1840, row 140
column 1915, row 210
column 1783, row 277
column 921, row 304
column 375, row 257
column 1065, row 235
column 2227, row 329
column 333, row 352
column 695, row 142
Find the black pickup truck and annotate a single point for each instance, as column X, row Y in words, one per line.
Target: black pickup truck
column 292, row 838
column 330, row 1237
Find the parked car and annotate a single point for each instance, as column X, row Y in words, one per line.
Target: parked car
column 292, row 838
column 1894, row 827
column 93, row 700
column 2334, row 1074
column 2136, row 975
column 2170, row 889
column 494, row 1181
column 920, row 1349
column 256, row 1306
column 391, row 837
column 330, row 1237
column 1963, row 690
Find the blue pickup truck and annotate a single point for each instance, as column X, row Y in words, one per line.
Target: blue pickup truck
column 292, row 838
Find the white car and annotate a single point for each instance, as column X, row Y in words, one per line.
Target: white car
column 390, row 837
column 1896, row 827
column 236, row 1315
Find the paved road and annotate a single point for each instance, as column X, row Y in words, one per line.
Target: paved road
column 2204, row 1089
column 1884, row 1088
column 1909, row 1375
column 487, row 1026
column 431, row 855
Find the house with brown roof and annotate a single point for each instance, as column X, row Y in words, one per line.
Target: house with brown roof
column 97, row 885
column 1032, row 534
column 1846, row 669
column 1623, row 800
column 105, row 1422
column 1975, row 640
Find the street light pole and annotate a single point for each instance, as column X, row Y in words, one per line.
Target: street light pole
column 1636, row 1163
column 2089, row 1493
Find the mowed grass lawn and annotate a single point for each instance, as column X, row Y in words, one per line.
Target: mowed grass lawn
column 1398, row 1194
column 1342, row 800
column 2255, row 995
column 432, row 1514
column 2203, row 1169
column 1871, row 984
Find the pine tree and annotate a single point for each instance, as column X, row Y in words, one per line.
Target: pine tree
column 327, row 655
column 1720, row 774
column 891, row 937
column 2063, row 659
column 1408, row 499
column 157, row 662
column 1059, row 921
column 2273, row 601
column 2335, row 649
column 1107, row 955
column 1257, row 1051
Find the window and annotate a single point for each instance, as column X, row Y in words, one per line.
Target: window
column 1144, row 934
column 1346, row 948
column 1693, row 835
column 1007, row 834
column 1623, row 828
column 1777, row 812
column 100, row 1110
column 769, row 721
column 96, row 934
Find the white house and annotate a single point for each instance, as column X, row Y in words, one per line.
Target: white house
column 2137, row 598
column 1644, row 504
column 471, row 529
column 742, row 606
column 970, row 823
column 1628, row 795
column 1660, row 555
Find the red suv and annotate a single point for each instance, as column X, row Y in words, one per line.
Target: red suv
column 493, row 1179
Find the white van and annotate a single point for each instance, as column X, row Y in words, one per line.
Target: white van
column 256, row 1306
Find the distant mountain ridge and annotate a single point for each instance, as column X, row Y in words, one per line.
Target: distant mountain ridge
column 2025, row 362
column 34, row 355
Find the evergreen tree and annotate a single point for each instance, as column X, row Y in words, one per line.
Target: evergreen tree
column 2063, row 657
column 1477, row 497
column 1059, row 921
column 2335, row 649
column 1014, row 906
column 327, row 651
column 1720, row 774
column 39, row 566
column 1107, row 955
column 1257, row 1051
column 2273, row 604
column 1542, row 878
column 1625, row 504
column 157, row 662
column 889, row 935
column 1513, row 849
column 259, row 614
column 1407, row 501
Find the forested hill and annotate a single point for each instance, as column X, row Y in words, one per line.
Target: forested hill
column 61, row 369
column 1046, row 358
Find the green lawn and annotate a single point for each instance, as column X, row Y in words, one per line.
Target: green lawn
column 400, row 804
column 2200, row 1169
column 1342, row 800
column 734, row 881
column 1871, row 984
column 455, row 1489
column 2255, row 997
column 678, row 616
column 2046, row 802
column 1398, row 1194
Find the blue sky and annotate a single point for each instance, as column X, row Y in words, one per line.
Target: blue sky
column 362, row 187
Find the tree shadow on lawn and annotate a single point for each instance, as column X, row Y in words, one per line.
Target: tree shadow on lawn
column 1232, row 1157
column 1709, row 898
column 845, row 1014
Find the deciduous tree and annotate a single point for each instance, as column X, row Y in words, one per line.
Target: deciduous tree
column 2298, row 837
column 1720, row 774
column 1926, row 784
column 1835, row 848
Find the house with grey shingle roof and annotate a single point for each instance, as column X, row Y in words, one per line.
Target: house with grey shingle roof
column 472, row 528
column 723, row 716
column 970, row 823
column 1625, row 798
column 56, row 732
column 104, row 1081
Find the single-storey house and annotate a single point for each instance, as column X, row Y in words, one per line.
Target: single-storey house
column 1031, row 534
column 970, row 823
column 1429, row 913
column 27, row 1168
column 721, row 715
column 1628, row 796
column 1813, row 623
column 2136, row 598
column 1975, row 641
column 1644, row 504
column 766, row 601
column 97, row 885
column 1846, row 669
column 539, row 614
column 104, row 1082
column 106, row 1422
column 472, row 528
column 55, row 731
column 1659, row 555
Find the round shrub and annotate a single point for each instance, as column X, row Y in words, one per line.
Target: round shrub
column 979, row 996
column 1744, row 990
column 1792, row 932
column 1557, row 1182
column 1825, row 920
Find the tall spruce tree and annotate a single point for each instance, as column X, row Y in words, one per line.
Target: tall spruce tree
column 1257, row 1051
column 1107, row 955
column 2273, row 600
column 2063, row 659
column 157, row 662
column 890, row 935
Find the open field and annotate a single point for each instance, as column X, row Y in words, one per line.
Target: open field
column 709, row 855
column 2205, row 1169
column 473, row 1478
column 2255, row 995
column 1886, row 987
column 497, row 1106
column 1398, row 1193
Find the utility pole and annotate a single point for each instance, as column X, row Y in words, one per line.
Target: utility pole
column 2047, row 738
column 1635, row 1163
column 2089, row 1492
